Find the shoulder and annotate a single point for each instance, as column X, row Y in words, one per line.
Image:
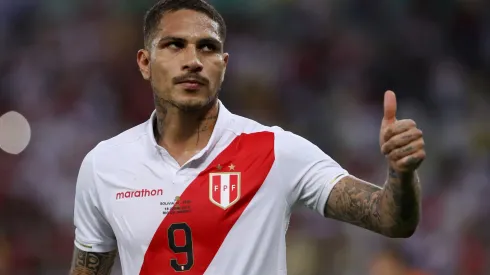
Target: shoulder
column 124, row 139
column 287, row 144
column 242, row 125
column 124, row 147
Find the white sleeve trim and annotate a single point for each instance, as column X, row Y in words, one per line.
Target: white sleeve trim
column 99, row 248
column 327, row 189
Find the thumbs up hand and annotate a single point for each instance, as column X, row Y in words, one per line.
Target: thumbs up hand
column 400, row 140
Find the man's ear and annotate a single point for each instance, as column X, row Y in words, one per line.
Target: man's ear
column 226, row 56
column 143, row 60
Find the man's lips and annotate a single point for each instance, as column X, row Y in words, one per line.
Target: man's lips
column 191, row 84
column 191, row 81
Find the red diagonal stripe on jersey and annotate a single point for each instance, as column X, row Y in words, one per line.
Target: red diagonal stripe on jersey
column 252, row 155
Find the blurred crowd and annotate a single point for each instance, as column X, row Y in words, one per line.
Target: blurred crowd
column 316, row 67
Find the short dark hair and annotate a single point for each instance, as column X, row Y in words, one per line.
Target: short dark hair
column 155, row 14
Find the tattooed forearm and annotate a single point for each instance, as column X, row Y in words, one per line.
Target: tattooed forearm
column 356, row 202
column 92, row 263
column 392, row 211
column 401, row 201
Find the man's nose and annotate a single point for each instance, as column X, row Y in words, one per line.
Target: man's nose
column 192, row 62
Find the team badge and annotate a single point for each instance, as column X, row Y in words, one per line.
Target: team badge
column 224, row 188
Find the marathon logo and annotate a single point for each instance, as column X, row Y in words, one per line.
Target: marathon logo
column 143, row 193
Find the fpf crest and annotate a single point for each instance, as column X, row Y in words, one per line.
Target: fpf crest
column 224, row 188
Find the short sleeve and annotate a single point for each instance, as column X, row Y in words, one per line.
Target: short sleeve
column 309, row 173
column 92, row 231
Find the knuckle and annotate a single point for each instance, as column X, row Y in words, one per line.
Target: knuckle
column 387, row 145
column 416, row 133
column 399, row 126
column 409, row 123
column 399, row 142
column 388, row 132
column 393, row 154
column 385, row 135
column 412, row 123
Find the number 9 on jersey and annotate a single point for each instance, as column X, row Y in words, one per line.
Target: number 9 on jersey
column 178, row 248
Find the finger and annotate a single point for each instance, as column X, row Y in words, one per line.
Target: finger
column 398, row 128
column 401, row 140
column 411, row 162
column 407, row 150
column 389, row 106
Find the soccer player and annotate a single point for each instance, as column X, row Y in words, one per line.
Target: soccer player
column 199, row 190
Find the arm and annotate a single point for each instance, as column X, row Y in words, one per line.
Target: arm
column 95, row 243
column 393, row 210
column 92, row 263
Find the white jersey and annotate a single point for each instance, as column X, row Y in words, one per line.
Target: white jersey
column 226, row 211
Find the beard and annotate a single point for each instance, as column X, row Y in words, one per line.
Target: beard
column 192, row 105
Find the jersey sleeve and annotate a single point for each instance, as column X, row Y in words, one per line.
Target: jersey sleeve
column 309, row 173
column 92, row 231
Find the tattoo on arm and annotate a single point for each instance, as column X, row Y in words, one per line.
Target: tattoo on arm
column 356, row 202
column 402, row 199
column 392, row 211
column 92, row 263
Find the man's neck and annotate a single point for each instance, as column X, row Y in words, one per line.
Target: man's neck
column 184, row 133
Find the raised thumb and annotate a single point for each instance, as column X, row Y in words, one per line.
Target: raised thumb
column 389, row 106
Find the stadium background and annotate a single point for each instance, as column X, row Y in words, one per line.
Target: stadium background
column 316, row 67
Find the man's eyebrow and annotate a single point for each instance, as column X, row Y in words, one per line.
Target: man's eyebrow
column 171, row 39
column 210, row 40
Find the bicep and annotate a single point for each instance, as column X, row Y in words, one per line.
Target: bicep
column 308, row 172
column 354, row 201
column 92, row 263
column 92, row 229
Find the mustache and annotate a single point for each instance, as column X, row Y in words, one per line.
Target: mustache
column 191, row 77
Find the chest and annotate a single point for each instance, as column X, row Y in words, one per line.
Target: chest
column 152, row 205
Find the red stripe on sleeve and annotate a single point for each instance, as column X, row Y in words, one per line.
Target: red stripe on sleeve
column 196, row 236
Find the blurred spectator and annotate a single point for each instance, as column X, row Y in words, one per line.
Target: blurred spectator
column 391, row 263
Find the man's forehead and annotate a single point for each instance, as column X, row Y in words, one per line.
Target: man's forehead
column 188, row 24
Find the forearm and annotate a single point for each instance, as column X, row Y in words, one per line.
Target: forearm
column 399, row 205
column 393, row 210
column 92, row 263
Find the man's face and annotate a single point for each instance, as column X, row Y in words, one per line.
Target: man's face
column 185, row 62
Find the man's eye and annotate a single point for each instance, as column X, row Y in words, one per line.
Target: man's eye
column 208, row 48
column 174, row 45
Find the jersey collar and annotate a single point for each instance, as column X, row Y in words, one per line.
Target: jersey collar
column 224, row 117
